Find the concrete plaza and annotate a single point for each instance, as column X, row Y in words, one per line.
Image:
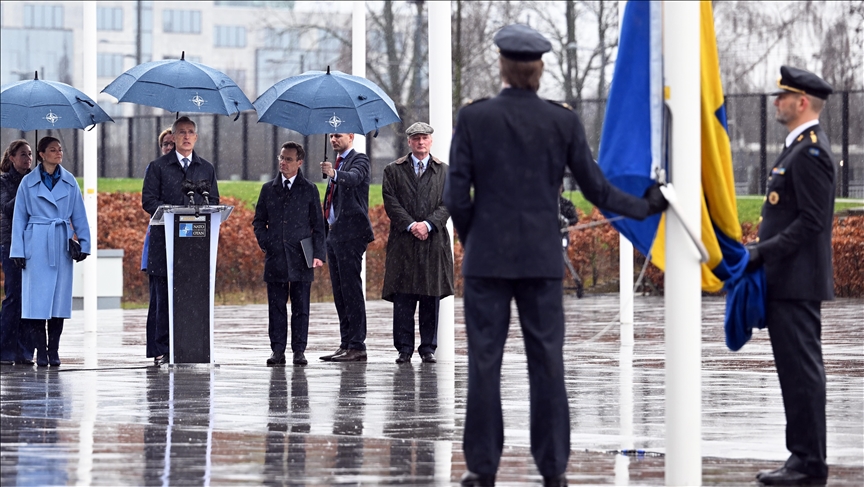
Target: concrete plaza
column 107, row 416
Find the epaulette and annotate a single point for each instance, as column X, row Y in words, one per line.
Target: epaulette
column 561, row 104
column 471, row 102
column 813, row 137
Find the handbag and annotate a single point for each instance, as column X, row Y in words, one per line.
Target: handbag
column 75, row 250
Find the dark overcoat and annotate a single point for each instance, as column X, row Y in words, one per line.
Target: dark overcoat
column 163, row 185
column 9, row 182
column 797, row 218
column 415, row 266
column 282, row 219
column 511, row 151
column 350, row 200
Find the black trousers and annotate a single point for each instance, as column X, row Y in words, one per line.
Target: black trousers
column 487, row 321
column 795, row 328
column 157, row 317
column 277, row 297
column 404, row 306
column 345, row 259
column 16, row 343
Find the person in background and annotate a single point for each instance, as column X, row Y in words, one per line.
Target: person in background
column 49, row 211
column 166, row 145
column 16, row 344
column 163, row 185
column 289, row 212
column 419, row 263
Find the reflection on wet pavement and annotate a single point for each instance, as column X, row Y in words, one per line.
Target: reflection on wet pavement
column 109, row 417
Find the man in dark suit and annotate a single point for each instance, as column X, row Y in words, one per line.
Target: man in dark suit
column 419, row 265
column 512, row 150
column 794, row 244
column 346, row 211
column 289, row 212
column 163, row 185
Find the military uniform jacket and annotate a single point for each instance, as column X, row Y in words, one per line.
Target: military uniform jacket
column 797, row 219
column 163, row 185
column 350, row 200
column 512, row 151
column 414, row 266
column 284, row 217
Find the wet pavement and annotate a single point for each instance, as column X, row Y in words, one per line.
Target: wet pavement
column 108, row 417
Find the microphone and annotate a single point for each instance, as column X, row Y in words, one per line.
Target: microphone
column 203, row 188
column 189, row 188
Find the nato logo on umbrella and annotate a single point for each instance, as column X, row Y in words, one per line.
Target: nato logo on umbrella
column 51, row 117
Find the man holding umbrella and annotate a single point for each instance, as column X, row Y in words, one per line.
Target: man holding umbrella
column 346, row 210
column 163, row 185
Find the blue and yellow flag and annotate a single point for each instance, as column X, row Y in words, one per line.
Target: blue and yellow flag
column 629, row 157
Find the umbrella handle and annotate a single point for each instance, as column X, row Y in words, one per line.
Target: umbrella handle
column 324, row 176
column 93, row 125
column 237, row 106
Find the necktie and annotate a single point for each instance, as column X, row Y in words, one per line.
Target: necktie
column 185, row 164
column 287, row 184
column 420, row 169
column 329, row 203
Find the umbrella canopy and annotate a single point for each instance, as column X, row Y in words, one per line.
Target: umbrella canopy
column 179, row 85
column 40, row 105
column 318, row 102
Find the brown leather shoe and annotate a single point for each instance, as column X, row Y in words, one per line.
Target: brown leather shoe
column 351, row 356
column 339, row 351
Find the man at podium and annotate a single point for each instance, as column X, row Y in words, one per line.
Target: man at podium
column 163, row 185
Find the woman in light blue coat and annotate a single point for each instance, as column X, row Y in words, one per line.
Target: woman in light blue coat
column 49, row 209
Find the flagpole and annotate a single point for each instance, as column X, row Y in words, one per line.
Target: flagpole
column 683, row 296
column 625, row 256
column 90, row 140
column 358, row 68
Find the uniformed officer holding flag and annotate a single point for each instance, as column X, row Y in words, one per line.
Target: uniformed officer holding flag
column 512, row 150
column 794, row 244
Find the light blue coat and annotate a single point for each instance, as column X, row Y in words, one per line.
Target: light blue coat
column 42, row 225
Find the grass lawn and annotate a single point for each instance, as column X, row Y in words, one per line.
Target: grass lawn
column 749, row 207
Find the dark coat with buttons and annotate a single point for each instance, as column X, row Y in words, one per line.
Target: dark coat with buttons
column 797, row 219
column 350, row 200
column 9, row 182
column 414, row 266
column 163, row 185
column 284, row 217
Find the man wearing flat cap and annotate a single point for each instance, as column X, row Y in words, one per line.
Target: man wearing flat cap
column 419, row 262
column 507, row 162
column 794, row 245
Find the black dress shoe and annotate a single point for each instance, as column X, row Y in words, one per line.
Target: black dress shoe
column 53, row 359
column 428, row 358
column 160, row 360
column 787, row 476
column 351, row 356
column 24, row 361
column 300, row 358
column 403, row 358
column 7, row 362
column 556, row 481
column 276, row 358
column 471, row 479
column 339, row 351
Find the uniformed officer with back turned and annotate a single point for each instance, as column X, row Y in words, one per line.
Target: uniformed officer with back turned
column 512, row 150
column 794, row 245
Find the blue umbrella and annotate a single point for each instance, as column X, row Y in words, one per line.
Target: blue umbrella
column 179, row 85
column 40, row 105
column 318, row 102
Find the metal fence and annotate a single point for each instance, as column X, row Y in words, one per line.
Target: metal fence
column 247, row 150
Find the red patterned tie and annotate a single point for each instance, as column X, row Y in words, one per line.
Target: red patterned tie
column 329, row 202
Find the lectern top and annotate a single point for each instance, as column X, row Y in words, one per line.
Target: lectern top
column 159, row 217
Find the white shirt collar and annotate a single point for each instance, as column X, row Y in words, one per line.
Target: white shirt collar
column 180, row 158
column 798, row 130
column 425, row 160
column 290, row 180
column 344, row 155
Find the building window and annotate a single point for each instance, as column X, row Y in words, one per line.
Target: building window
column 109, row 18
column 238, row 75
column 43, row 16
column 181, row 21
column 229, row 36
column 109, row 65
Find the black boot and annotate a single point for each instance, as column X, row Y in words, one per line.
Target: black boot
column 40, row 341
column 55, row 328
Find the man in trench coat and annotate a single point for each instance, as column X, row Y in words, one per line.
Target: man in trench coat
column 288, row 212
column 419, row 263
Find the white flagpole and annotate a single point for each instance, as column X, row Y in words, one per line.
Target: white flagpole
column 91, row 89
column 683, row 301
column 625, row 255
column 358, row 68
column 441, row 119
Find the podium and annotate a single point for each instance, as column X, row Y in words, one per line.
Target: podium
column 191, row 244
